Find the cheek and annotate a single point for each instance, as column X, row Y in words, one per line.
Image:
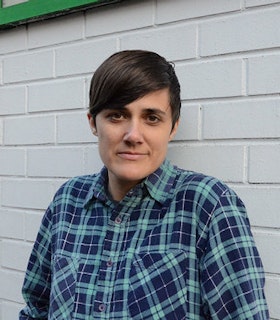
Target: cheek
column 104, row 151
column 159, row 147
column 106, row 142
column 160, row 140
column 105, row 135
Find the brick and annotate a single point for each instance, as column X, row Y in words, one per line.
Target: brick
column 87, row 85
column 13, row 40
column 93, row 163
column 270, row 258
column 29, row 130
column 56, row 95
column 253, row 3
column 15, row 254
column 189, row 125
column 264, row 74
column 27, row 193
column 1, row 131
column 80, row 130
column 264, row 164
column 11, row 283
column 1, row 70
column 32, row 224
column 83, row 57
column 262, row 205
column 12, row 224
column 223, row 162
column 272, row 292
column 55, row 162
column 12, row 162
column 8, row 3
column 118, row 18
column 10, row 310
column 46, row 33
column 149, row 40
column 241, row 119
column 13, row 100
column 210, row 79
column 260, row 29
column 28, row 66
column 1, row 260
column 168, row 11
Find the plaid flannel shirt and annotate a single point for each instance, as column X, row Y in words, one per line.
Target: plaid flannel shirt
column 178, row 246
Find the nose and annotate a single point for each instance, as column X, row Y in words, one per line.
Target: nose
column 133, row 134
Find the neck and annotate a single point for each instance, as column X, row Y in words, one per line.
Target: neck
column 119, row 189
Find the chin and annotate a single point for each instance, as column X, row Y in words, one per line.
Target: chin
column 133, row 177
column 132, row 171
column 136, row 175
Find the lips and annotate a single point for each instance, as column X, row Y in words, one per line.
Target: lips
column 133, row 156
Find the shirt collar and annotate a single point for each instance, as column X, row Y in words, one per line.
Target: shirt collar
column 98, row 188
column 161, row 182
column 158, row 184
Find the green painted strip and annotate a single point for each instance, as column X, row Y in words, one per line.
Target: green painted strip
column 33, row 9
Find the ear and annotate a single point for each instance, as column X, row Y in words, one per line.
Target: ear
column 92, row 124
column 174, row 130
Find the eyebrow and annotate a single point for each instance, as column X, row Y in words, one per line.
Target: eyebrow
column 146, row 110
column 151, row 110
column 155, row 110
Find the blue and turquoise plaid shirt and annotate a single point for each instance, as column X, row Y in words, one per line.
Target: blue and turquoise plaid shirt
column 178, row 246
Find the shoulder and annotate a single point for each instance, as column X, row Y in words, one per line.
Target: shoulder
column 76, row 187
column 200, row 186
column 205, row 195
column 212, row 204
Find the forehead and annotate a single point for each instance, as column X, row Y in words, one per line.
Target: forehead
column 157, row 100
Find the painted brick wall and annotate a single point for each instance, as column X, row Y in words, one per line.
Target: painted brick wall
column 227, row 57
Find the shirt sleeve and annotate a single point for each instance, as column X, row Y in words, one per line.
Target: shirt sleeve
column 232, row 275
column 37, row 282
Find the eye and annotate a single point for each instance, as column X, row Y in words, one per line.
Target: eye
column 115, row 116
column 153, row 119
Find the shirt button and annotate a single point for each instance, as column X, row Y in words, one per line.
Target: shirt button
column 118, row 220
column 102, row 307
column 109, row 263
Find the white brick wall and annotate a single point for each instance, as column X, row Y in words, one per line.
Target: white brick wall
column 28, row 66
column 227, row 57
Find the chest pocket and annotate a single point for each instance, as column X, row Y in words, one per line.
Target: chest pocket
column 158, row 285
column 63, row 288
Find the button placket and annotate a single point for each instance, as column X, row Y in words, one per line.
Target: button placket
column 109, row 263
column 102, row 307
column 116, row 231
column 118, row 220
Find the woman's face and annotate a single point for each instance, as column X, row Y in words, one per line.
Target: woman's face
column 133, row 140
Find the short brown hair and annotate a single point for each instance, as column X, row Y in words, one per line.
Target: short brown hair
column 129, row 75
